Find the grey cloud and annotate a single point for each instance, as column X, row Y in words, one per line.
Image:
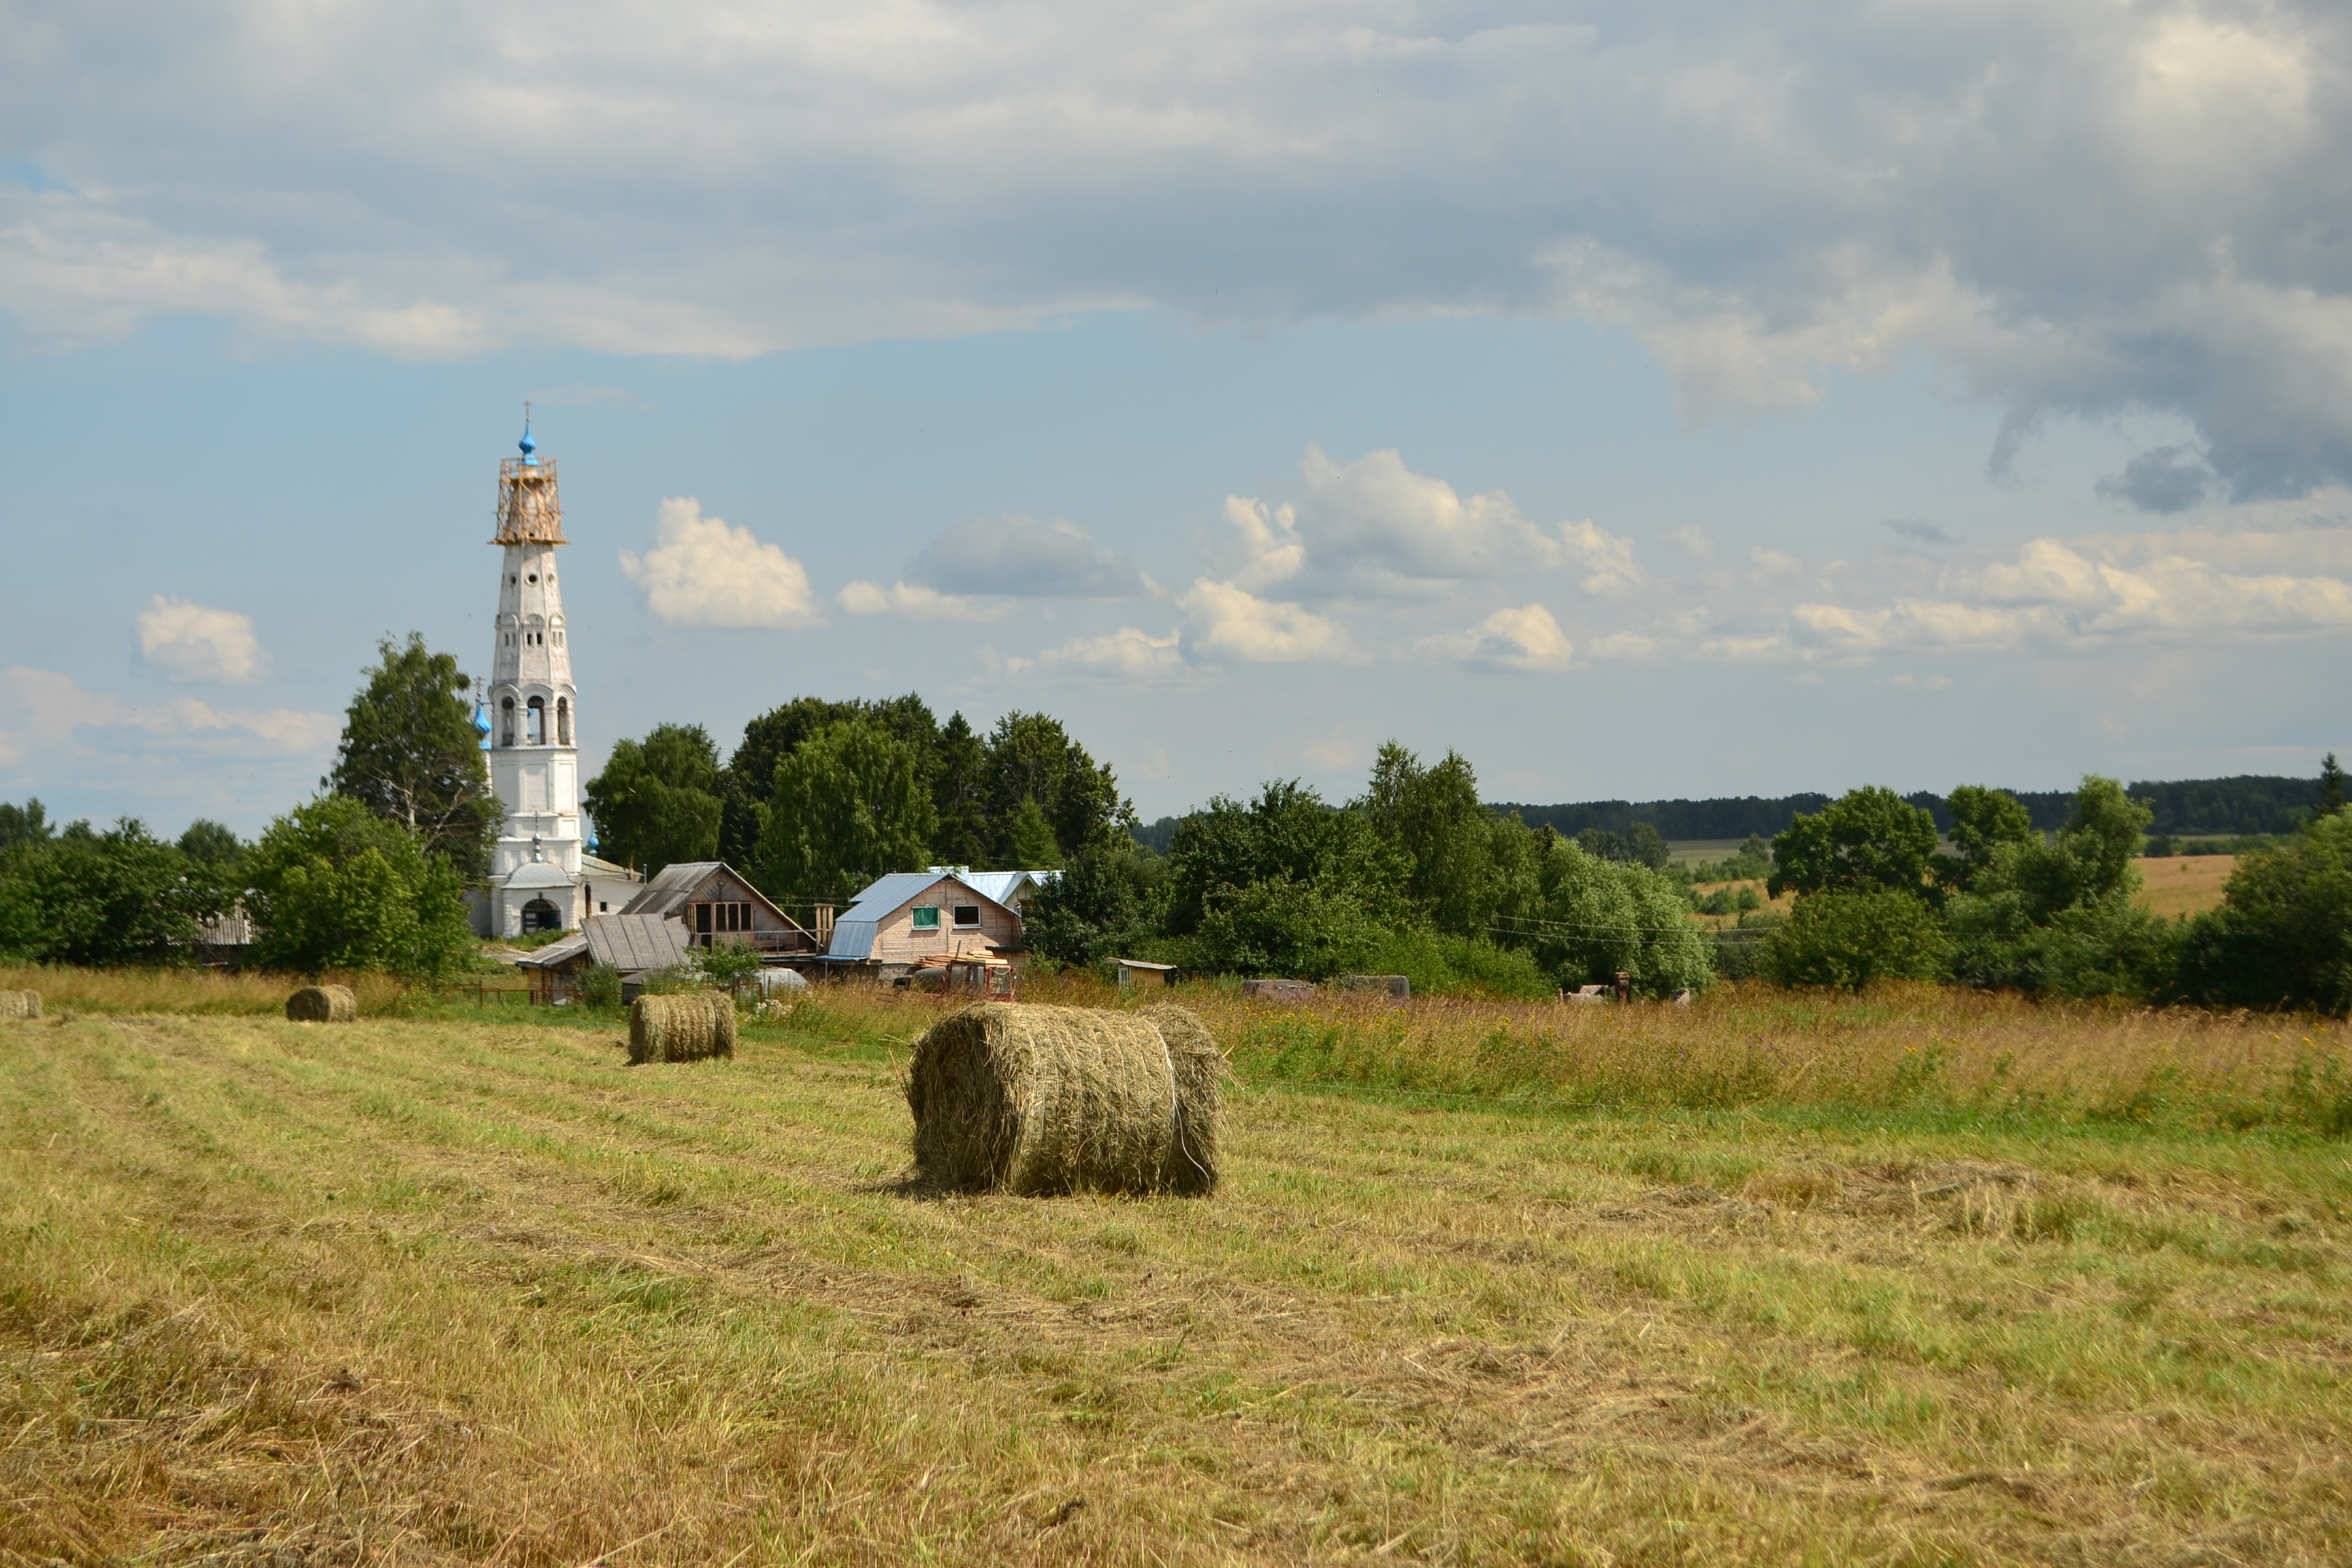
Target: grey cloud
column 2164, row 479
column 1920, row 529
column 1016, row 555
column 1762, row 192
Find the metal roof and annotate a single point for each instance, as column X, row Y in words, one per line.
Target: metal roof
column 853, row 933
column 670, row 887
column 630, row 943
column 673, row 886
column 1004, row 886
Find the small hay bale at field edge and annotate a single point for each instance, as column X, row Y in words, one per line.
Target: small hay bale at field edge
column 685, row 1027
column 322, row 1004
column 1033, row 1101
column 20, row 1003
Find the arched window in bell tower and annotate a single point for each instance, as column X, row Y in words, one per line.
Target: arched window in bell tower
column 563, row 721
column 535, row 722
column 506, row 712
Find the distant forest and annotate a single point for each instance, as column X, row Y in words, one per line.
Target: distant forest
column 2247, row 804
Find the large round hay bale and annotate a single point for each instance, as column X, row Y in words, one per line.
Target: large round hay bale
column 681, row 1028
column 322, row 1004
column 20, row 1003
column 1035, row 1099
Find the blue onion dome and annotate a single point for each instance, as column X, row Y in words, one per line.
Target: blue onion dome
column 482, row 719
column 527, row 444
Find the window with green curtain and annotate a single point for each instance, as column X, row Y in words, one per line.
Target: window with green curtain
column 927, row 917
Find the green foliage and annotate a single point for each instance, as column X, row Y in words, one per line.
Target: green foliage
column 1099, row 908
column 657, row 800
column 1033, row 761
column 748, row 784
column 1281, row 927
column 1442, row 966
column 1432, row 815
column 959, row 794
column 24, row 825
column 1869, row 839
column 724, row 965
column 600, row 986
column 1752, row 862
column 2331, row 788
column 1984, row 820
column 849, row 805
column 2283, row 936
column 1286, row 835
column 1033, row 847
column 1744, row 952
column 1585, row 919
column 2112, row 948
column 1848, row 939
column 113, row 897
column 986, row 795
column 217, row 848
column 411, row 755
column 336, row 887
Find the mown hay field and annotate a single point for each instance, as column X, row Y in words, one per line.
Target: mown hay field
column 1515, row 1284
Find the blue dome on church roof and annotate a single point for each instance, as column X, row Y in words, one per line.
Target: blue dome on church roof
column 528, row 446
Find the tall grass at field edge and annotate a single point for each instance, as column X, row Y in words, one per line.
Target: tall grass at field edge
column 1918, row 1051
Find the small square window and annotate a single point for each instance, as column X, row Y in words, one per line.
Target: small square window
column 927, row 917
column 967, row 917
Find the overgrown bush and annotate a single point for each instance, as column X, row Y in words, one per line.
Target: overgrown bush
column 1849, row 939
column 336, row 887
column 2283, row 936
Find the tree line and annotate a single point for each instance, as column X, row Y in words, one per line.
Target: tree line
column 1415, row 875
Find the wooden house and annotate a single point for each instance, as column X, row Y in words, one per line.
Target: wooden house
column 715, row 904
column 632, row 944
column 911, row 916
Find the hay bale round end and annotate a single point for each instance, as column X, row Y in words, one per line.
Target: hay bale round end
column 20, row 1003
column 686, row 1028
column 1034, row 1099
column 322, row 1004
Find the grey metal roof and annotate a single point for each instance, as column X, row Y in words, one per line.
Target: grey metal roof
column 1005, row 886
column 630, row 943
column 671, row 887
column 853, row 933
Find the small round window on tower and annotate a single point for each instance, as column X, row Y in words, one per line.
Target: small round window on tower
column 534, row 576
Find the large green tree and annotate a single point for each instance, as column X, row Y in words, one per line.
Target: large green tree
column 1288, row 833
column 2283, row 936
column 118, row 897
column 657, row 800
column 1432, row 815
column 335, row 886
column 1031, row 758
column 748, row 783
column 1101, row 904
column 26, row 824
column 1869, row 839
column 1982, row 821
column 849, row 804
column 410, row 754
column 1586, row 919
column 1848, row 937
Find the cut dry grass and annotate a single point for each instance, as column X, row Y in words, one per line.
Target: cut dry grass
column 2185, row 884
column 255, row 992
column 440, row 1292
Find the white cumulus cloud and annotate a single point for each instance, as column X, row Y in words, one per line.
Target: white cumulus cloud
column 915, row 600
column 1127, row 654
column 44, row 711
column 1524, row 638
column 1020, row 557
column 700, row 571
column 1231, row 624
column 187, row 641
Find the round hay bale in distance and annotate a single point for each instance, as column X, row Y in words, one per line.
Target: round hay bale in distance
column 322, row 1004
column 684, row 1028
column 1031, row 1099
column 20, row 1003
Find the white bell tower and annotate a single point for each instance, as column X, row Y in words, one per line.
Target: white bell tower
column 534, row 755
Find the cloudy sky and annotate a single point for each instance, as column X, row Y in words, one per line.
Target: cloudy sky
column 1645, row 399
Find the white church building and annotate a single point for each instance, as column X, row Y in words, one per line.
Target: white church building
column 541, row 876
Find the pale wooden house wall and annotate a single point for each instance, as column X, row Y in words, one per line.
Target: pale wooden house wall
column 895, row 939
